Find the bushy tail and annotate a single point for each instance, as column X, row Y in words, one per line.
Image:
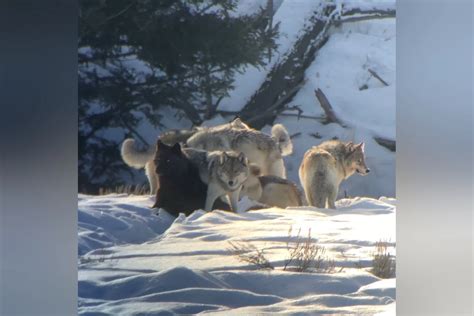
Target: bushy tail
column 134, row 158
column 280, row 134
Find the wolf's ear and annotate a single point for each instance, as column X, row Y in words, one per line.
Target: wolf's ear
column 176, row 148
column 350, row 147
column 242, row 157
column 254, row 169
column 361, row 146
column 222, row 158
column 159, row 144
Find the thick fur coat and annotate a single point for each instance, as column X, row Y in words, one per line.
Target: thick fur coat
column 181, row 189
column 325, row 166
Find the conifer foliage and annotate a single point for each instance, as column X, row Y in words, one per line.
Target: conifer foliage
column 137, row 56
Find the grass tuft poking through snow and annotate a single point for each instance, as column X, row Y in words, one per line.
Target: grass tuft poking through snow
column 139, row 189
column 383, row 263
column 247, row 252
column 305, row 255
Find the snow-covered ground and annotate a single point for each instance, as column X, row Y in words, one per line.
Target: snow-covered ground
column 132, row 261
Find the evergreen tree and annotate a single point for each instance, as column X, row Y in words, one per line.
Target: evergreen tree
column 138, row 56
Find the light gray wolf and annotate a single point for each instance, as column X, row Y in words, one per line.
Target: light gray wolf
column 141, row 159
column 224, row 172
column 144, row 158
column 172, row 137
column 271, row 190
column 264, row 150
column 325, row 166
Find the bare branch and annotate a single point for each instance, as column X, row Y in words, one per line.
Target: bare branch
column 362, row 18
column 328, row 110
column 373, row 73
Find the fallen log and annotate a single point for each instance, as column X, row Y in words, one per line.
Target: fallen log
column 387, row 143
column 327, row 108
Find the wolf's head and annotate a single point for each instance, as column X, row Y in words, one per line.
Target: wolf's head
column 232, row 169
column 170, row 160
column 355, row 158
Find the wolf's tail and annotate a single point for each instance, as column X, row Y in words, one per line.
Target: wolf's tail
column 134, row 158
column 280, row 134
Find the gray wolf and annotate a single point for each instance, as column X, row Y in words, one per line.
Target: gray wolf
column 264, row 150
column 224, row 173
column 181, row 188
column 325, row 166
column 144, row 159
column 271, row 190
column 172, row 137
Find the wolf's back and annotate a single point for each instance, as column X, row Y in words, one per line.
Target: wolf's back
column 134, row 158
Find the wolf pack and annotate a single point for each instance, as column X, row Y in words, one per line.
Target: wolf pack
column 214, row 167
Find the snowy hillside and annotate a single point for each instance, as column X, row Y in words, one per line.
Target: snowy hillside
column 134, row 262
column 341, row 71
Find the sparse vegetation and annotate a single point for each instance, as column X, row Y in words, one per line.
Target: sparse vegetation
column 128, row 189
column 383, row 263
column 247, row 252
column 304, row 255
column 98, row 256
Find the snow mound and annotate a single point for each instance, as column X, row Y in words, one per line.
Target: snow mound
column 103, row 223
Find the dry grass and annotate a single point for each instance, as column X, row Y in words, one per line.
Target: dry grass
column 98, row 256
column 127, row 189
column 383, row 263
column 246, row 252
column 304, row 255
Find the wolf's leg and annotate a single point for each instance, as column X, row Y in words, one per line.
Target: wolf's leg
column 213, row 192
column 234, row 199
column 310, row 196
column 309, row 189
column 320, row 200
column 332, row 197
column 150, row 171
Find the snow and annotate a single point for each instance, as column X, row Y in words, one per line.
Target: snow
column 133, row 260
column 152, row 263
column 339, row 70
column 290, row 28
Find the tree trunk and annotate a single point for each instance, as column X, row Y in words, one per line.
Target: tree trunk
column 286, row 77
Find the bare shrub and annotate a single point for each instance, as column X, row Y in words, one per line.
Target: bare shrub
column 383, row 263
column 247, row 252
column 305, row 255
column 98, row 256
